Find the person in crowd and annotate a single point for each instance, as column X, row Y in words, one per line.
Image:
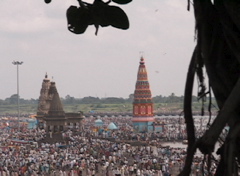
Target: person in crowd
column 89, row 153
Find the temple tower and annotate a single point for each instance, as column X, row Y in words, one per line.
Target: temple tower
column 51, row 115
column 55, row 119
column 44, row 102
column 143, row 116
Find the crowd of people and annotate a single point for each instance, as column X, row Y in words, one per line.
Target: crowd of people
column 88, row 153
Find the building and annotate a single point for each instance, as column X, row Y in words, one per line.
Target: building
column 143, row 116
column 50, row 113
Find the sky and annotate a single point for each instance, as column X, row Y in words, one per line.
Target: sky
column 106, row 65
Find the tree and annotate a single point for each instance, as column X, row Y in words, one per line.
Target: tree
column 90, row 100
column 218, row 51
column 13, row 99
column 131, row 98
column 69, row 100
column 113, row 100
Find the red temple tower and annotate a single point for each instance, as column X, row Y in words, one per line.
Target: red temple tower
column 143, row 116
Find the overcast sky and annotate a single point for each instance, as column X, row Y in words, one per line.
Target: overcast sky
column 87, row 65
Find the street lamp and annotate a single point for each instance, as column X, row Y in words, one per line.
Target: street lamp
column 18, row 63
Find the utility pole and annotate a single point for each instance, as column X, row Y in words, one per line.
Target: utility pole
column 18, row 63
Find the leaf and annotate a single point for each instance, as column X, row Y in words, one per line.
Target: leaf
column 117, row 17
column 78, row 19
column 47, row 1
column 121, row 1
column 97, row 10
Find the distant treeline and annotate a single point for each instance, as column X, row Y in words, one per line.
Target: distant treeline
column 69, row 100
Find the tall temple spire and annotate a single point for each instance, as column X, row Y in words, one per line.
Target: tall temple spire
column 44, row 103
column 142, row 104
column 49, row 100
column 56, row 108
column 50, row 114
column 142, row 89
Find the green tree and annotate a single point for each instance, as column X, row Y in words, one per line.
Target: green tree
column 69, row 100
column 12, row 99
column 113, row 100
column 90, row 100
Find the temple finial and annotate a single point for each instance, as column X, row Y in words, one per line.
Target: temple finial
column 141, row 54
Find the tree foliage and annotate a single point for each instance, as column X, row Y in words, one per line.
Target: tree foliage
column 12, row 100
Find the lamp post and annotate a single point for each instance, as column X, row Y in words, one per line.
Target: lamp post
column 18, row 63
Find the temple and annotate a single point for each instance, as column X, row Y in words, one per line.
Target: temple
column 143, row 116
column 50, row 113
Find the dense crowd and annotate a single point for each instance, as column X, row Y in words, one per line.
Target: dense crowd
column 89, row 153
